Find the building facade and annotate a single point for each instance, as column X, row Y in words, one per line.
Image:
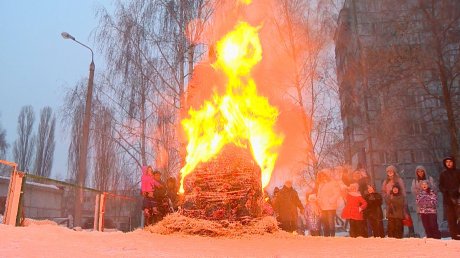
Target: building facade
column 398, row 73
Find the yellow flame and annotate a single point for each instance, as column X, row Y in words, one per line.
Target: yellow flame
column 239, row 117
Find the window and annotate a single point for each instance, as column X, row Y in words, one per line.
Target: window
column 419, row 101
column 418, row 127
column 391, row 157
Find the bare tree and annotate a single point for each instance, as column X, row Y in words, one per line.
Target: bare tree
column 72, row 117
column 3, row 149
column 23, row 147
column 416, row 63
column 106, row 172
column 313, row 86
column 167, row 158
column 438, row 66
column 152, row 47
column 45, row 143
column 3, row 143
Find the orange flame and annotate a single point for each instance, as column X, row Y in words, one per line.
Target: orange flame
column 239, row 117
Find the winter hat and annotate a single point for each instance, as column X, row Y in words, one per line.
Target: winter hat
column 424, row 182
column 398, row 187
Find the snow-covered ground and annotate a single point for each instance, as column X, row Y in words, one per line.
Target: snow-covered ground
column 47, row 240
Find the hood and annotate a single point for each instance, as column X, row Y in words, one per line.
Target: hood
column 399, row 188
column 424, row 170
column 449, row 158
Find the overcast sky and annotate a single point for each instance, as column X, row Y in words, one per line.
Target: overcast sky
column 37, row 65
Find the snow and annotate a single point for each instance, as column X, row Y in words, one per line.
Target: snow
column 49, row 240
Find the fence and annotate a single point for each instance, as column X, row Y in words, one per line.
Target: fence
column 25, row 195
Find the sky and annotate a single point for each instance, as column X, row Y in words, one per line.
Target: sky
column 47, row 240
column 37, row 65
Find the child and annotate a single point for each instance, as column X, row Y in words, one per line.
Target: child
column 353, row 211
column 395, row 212
column 427, row 201
column 312, row 214
column 373, row 212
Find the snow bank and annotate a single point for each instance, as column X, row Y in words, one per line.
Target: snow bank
column 56, row 241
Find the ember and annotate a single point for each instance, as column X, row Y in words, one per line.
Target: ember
column 226, row 187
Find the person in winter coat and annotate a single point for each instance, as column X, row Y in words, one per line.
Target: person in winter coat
column 421, row 175
column 449, row 184
column 287, row 204
column 427, row 201
column 395, row 212
column 160, row 196
column 312, row 215
column 171, row 188
column 392, row 179
column 360, row 177
column 353, row 211
column 329, row 192
column 373, row 213
column 147, row 187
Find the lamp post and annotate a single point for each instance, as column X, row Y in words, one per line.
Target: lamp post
column 85, row 135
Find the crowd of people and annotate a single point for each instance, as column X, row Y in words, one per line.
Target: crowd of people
column 365, row 209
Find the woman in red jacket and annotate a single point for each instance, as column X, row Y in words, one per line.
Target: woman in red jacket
column 353, row 211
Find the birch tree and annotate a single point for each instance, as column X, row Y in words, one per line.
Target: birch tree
column 151, row 50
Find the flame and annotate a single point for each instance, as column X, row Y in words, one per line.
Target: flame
column 239, row 117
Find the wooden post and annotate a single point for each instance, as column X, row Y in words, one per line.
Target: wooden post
column 20, row 214
column 13, row 195
column 96, row 212
column 101, row 211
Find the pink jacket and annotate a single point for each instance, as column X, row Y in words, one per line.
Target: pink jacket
column 148, row 183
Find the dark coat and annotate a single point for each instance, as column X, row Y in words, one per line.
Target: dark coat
column 449, row 183
column 287, row 203
column 374, row 206
column 395, row 206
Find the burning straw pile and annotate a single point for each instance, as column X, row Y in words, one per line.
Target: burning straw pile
column 228, row 187
column 176, row 223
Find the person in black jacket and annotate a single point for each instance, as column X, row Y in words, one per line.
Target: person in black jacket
column 373, row 213
column 287, row 204
column 449, row 185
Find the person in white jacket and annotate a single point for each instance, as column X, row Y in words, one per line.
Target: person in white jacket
column 329, row 193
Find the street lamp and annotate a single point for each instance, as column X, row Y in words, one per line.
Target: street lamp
column 85, row 134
